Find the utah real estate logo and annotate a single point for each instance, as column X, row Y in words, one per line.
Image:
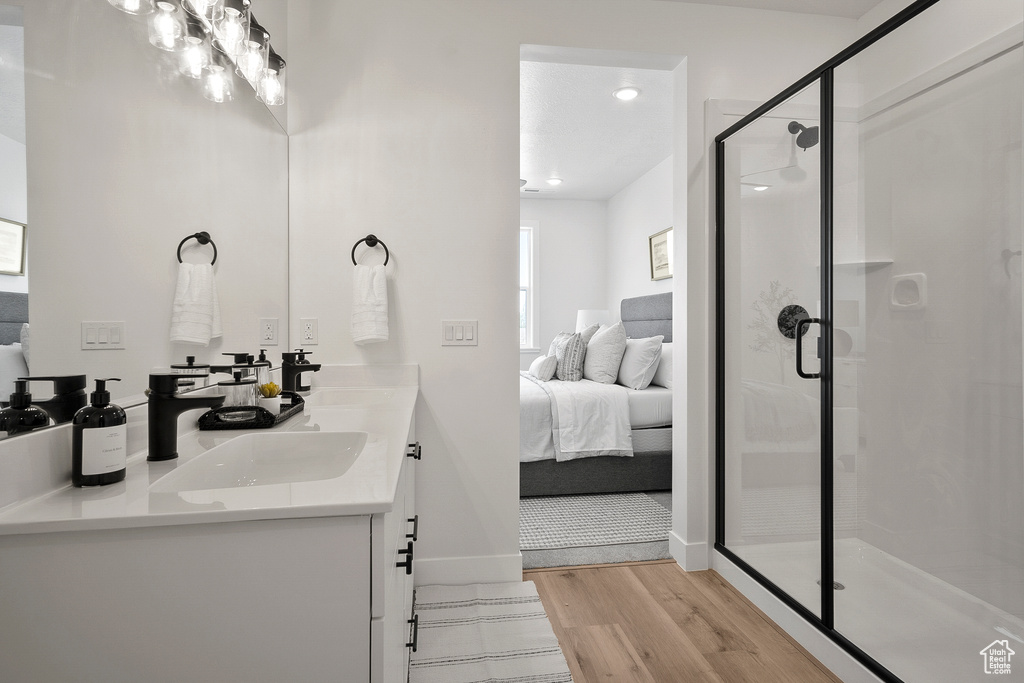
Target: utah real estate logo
column 997, row 657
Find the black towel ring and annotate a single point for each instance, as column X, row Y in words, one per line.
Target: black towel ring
column 202, row 238
column 371, row 241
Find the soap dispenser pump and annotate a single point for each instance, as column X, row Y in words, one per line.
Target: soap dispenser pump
column 21, row 416
column 99, row 440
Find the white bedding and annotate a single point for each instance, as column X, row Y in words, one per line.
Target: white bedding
column 569, row 420
column 650, row 407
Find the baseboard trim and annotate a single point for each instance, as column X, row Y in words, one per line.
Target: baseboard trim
column 458, row 571
column 692, row 557
column 826, row 651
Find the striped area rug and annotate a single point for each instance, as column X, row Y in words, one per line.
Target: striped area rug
column 485, row 633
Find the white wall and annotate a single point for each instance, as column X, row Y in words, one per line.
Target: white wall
column 639, row 210
column 404, row 122
column 571, row 255
column 125, row 159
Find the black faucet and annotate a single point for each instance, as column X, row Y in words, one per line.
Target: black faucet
column 292, row 367
column 68, row 396
column 164, row 408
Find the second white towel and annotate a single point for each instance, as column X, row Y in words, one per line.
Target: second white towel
column 369, row 305
column 195, row 315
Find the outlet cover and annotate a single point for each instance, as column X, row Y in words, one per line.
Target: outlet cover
column 268, row 331
column 308, row 334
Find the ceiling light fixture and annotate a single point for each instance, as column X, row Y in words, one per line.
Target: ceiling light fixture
column 554, row 181
column 626, row 94
column 760, row 188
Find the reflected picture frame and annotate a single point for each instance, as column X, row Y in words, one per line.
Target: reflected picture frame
column 12, row 247
column 659, row 250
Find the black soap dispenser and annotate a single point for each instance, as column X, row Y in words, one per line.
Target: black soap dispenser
column 99, row 440
column 21, row 416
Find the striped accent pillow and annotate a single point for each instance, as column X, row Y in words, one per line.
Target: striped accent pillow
column 544, row 368
column 570, row 350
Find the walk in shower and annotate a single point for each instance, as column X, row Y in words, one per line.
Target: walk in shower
column 870, row 402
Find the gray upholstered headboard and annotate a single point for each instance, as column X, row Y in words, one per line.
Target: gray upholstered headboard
column 13, row 313
column 647, row 316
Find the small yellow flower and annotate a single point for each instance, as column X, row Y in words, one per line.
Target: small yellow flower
column 269, row 390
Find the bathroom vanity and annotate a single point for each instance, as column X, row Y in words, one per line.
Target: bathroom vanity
column 258, row 555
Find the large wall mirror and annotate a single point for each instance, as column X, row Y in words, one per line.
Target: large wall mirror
column 123, row 158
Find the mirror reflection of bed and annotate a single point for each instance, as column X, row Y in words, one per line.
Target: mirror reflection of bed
column 596, row 444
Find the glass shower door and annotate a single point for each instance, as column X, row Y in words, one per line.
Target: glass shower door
column 772, row 284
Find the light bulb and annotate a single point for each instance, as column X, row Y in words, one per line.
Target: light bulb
column 195, row 58
column 216, row 84
column 270, row 90
column 233, row 28
column 133, row 6
column 165, row 31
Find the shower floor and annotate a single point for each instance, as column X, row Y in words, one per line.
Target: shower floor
column 918, row 626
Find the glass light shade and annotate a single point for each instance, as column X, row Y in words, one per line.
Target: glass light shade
column 133, row 6
column 211, row 10
column 194, row 58
column 253, row 60
column 166, row 28
column 232, row 29
column 271, row 84
column 217, row 84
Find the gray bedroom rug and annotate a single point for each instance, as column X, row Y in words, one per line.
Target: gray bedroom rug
column 564, row 531
column 485, row 632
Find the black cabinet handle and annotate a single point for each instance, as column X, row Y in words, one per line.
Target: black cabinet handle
column 415, row 528
column 415, row 621
column 799, row 348
column 415, row 451
column 407, row 562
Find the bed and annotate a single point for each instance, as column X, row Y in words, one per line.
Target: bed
column 13, row 359
column 649, row 424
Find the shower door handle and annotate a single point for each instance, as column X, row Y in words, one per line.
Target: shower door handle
column 800, row 349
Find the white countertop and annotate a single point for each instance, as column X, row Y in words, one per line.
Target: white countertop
column 367, row 487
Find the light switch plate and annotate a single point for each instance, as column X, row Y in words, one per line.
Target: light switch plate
column 459, row 333
column 101, row 336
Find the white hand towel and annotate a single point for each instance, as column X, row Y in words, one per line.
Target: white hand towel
column 195, row 314
column 369, row 305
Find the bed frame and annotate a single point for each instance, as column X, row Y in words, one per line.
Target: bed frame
column 642, row 316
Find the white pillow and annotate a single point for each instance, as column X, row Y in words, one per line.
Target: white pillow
column 604, row 354
column 663, row 375
column 24, row 342
column 12, row 366
column 588, row 333
column 543, row 368
column 640, row 362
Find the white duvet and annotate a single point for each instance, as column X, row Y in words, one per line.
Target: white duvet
column 569, row 420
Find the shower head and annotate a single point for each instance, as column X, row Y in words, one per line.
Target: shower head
column 805, row 137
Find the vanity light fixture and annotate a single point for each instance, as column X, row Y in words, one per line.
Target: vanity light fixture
column 212, row 40
column 135, row 7
column 554, row 181
column 626, row 94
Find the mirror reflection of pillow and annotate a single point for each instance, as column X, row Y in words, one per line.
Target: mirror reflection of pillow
column 640, row 362
column 543, row 368
column 24, row 343
column 663, row 375
column 12, row 366
column 570, row 351
column 604, row 354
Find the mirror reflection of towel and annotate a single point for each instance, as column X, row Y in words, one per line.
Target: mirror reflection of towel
column 195, row 314
column 369, row 305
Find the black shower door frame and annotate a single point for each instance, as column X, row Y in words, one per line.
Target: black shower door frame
column 825, row 75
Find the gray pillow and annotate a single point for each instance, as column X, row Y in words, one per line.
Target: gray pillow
column 544, row 367
column 604, row 354
column 640, row 362
column 584, row 334
column 570, row 351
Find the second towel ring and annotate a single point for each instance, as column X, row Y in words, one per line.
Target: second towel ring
column 202, row 238
column 371, row 241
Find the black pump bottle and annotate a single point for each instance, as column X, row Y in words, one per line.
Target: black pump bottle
column 99, row 440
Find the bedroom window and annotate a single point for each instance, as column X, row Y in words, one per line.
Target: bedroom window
column 527, row 286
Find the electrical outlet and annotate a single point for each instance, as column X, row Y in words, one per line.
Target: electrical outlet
column 268, row 331
column 308, row 332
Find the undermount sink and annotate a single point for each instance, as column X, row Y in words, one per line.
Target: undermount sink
column 266, row 459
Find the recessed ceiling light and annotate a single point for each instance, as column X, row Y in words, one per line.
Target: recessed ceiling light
column 554, row 181
column 760, row 188
column 627, row 94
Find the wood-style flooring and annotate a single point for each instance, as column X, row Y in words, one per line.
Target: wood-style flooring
column 653, row 622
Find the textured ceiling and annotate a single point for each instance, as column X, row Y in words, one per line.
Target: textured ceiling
column 12, row 82
column 570, row 127
column 851, row 9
